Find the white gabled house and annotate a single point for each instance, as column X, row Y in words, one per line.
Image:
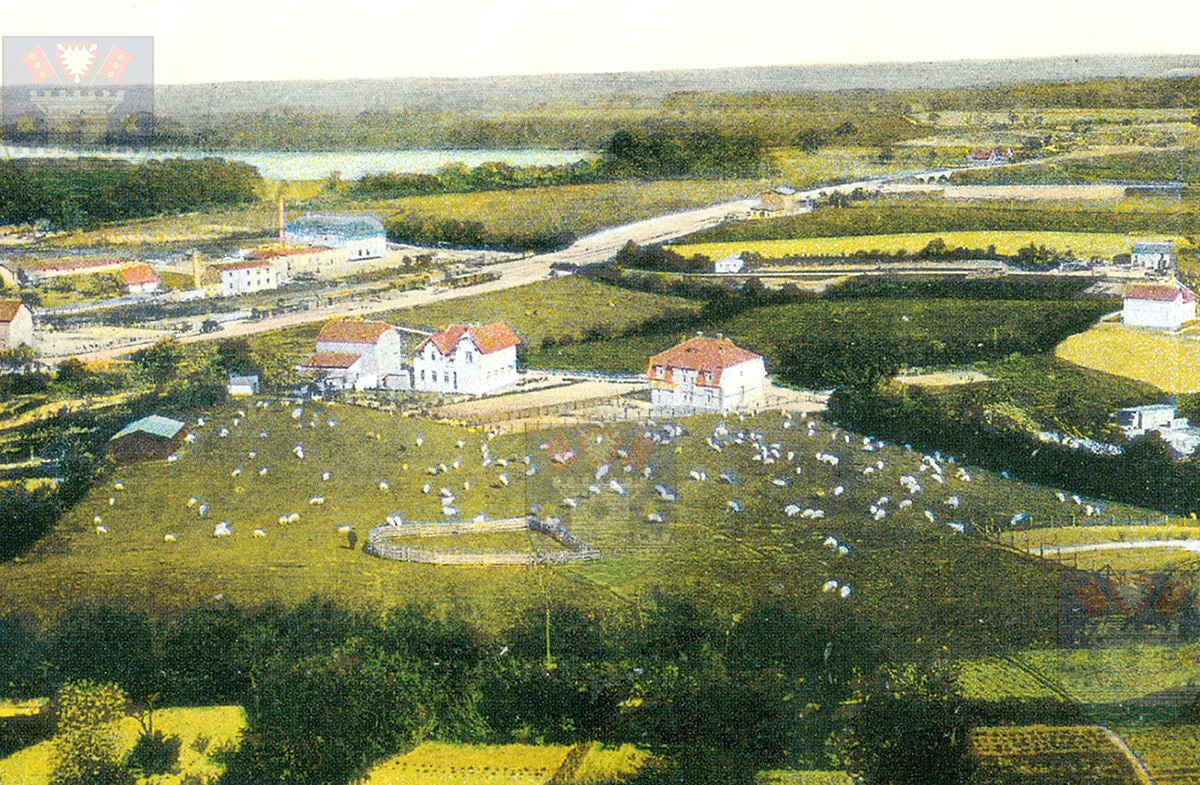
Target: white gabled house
column 706, row 374
column 1160, row 306
column 1154, row 256
column 471, row 359
column 351, row 353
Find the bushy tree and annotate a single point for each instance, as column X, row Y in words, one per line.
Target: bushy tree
column 86, row 742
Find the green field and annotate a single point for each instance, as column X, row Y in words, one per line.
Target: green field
column 1148, row 165
column 1172, row 753
column 1089, row 676
column 724, row 560
column 920, row 215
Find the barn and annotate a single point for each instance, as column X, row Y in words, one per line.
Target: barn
column 706, row 374
column 152, row 437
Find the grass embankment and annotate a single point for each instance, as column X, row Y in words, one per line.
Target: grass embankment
column 920, row 215
column 1170, row 362
column 1085, row 245
column 703, row 549
column 205, row 732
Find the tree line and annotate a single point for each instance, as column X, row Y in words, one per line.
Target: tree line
column 84, row 192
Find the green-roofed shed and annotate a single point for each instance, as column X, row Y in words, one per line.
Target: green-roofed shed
column 147, row 438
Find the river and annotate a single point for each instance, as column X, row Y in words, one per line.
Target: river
column 317, row 165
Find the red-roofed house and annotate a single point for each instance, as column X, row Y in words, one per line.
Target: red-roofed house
column 351, row 353
column 16, row 324
column 1161, row 306
column 474, row 359
column 292, row 262
column 61, row 267
column 706, row 374
column 140, row 279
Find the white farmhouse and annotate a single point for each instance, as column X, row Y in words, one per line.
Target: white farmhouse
column 246, row 276
column 473, row 359
column 363, row 235
column 706, row 374
column 352, row 353
column 734, row 263
column 1160, row 306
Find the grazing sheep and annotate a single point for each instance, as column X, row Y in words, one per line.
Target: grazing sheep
column 112, row 500
column 316, row 500
column 118, row 486
column 236, row 471
column 170, row 537
column 792, row 510
column 383, row 485
column 654, row 517
column 259, row 531
column 262, row 471
column 203, row 509
column 594, row 490
column 192, row 501
column 222, row 529
column 616, row 486
column 779, row 481
column 829, row 586
column 845, row 592
column 733, row 505
column 172, row 458
column 101, row 528
column 503, row 480
column 325, row 475
column 603, row 470
column 569, row 502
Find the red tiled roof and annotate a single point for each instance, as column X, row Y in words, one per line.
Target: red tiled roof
column 331, row 360
column 66, row 265
column 1159, row 292
column 248, row 264
column 351, row 331
column 487, row 338
column 8, row 310
column 139, row 274
column 700, row 354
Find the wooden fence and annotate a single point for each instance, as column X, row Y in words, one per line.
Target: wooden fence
column 577, row 550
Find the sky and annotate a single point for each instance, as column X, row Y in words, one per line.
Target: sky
column 236, row 40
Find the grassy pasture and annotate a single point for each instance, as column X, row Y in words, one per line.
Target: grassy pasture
column 1169, row 362
column 1089, row 676
column 433, row 763
column 203, row 731
column 704, row 550
column 1085, row 244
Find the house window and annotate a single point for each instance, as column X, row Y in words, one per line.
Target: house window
column 468, row 355
column 658, row 371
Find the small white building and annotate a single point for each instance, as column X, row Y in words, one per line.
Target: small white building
column 734, row 263
column 373, row 349
column 706, row 374
column 363, row 235
column 1157, row 257
column 1160, row 306
column 243, row 385
column 247, row 276
column 16, row 324
column 472, row 359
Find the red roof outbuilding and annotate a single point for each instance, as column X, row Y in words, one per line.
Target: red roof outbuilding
column 139, row 274
column 331, row 360
column 352, row 331
column 1159, row 292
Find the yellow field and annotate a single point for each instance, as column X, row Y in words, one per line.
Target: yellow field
column 508, row 764
column 202, row 730
column 1084, row 244
column 1169, row 362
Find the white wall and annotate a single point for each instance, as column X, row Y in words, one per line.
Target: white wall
column 1157, row 313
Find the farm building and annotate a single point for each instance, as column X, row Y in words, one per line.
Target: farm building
column 473, row 359
column 149, row 437
column 246, row 276
column 1161, row 306
column 140, row 279
column 1157, row 257
column 362, row 235
column 306, row 261
column 769, row 204
column 16, row 324
column 350, row 353
column 63, row 267
column 1181, row 438
column 988, row 156
column 243, row 385
column 706, row 374
column 734, row 263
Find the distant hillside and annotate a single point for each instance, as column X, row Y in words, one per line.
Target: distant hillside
column 492, row 93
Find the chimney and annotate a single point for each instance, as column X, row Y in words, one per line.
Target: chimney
column 282, row 219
